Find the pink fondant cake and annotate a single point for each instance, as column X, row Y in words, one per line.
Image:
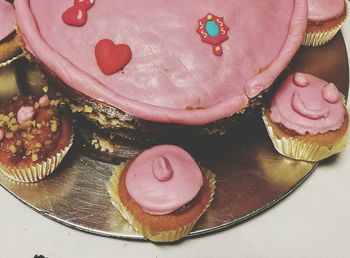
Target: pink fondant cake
column 7, row 19
column 184, row 62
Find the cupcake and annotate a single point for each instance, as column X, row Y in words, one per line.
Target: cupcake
column 325, row 18
column 162, row 192
column 34, row 138
column 307, row 119
column 9, row 39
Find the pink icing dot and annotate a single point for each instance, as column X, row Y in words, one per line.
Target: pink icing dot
column 331, row 93
column 162, row 169
column 44, row 101
column 301, row 80
column 25, row 114
column 2, row 135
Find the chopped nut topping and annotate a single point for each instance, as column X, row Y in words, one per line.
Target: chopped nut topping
column 13, row 149
column 13, row 121
column 9, row 135
column 14, row 128
column 48, row 143
column 46, row 89
column 11, row 114
column 35, row 157
column 87, row 109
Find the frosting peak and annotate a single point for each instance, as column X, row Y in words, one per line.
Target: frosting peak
column 163, row 179
column 311, row 109
column 162, row 169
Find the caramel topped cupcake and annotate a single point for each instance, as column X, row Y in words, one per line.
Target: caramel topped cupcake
column 162, row 192
column 34, row 135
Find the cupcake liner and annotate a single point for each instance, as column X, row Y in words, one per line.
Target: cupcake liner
column 315, row 39
column 145, row 230
column 300, row 150
column 8, row 62
column 37, row 172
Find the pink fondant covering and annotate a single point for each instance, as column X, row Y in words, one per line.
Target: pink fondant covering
column 163, row 179
column 7, row 19
column 323, row 10
column 173, row 76
column 307, row 104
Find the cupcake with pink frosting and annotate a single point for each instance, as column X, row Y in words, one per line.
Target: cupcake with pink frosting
column 9, row 40
column 34, row 138
column 162, row 192
column 325, row 18
column 307, row 119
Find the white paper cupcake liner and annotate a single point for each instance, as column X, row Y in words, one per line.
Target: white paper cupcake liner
column 145, row 230
column 300, row 150
column 38, row 172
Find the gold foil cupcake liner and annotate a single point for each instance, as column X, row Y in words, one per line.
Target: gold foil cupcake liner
column 37, row 172
column 316, row 39
column 300, row 150
column 145, row 230
column 8, row 62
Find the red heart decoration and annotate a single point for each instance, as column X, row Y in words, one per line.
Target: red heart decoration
column 111, row 57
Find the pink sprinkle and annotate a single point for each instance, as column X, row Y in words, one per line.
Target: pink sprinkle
column 44, row 101
column 2, row 135
column 25, row 114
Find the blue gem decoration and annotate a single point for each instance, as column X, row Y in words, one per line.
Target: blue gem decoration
column 212, row 28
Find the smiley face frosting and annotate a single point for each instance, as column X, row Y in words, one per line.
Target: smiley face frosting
column 323, row 10
column 172, row 77
column 7, row 19
column 307, row 105
column 163, row 179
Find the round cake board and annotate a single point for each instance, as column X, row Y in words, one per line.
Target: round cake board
column 251, row 175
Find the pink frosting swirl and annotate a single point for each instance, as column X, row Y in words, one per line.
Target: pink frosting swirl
column 323, row 10
column 163, row 179
column 307, row 105
column 7, row 19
